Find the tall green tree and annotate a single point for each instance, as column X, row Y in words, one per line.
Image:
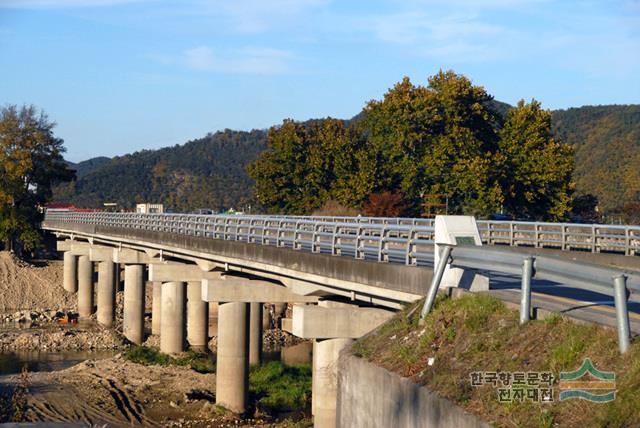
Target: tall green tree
column 435, row 139
column 305, row 165
column 30, row 163
column 536, row 169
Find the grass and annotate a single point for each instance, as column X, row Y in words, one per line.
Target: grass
column 200, row 362
column 276, row 388
column 478, row 333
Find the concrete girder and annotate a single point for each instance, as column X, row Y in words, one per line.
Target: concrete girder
column 179, row 272
column 133, row 257
column 316, row 322
column 64, row 245
column 286, row 325
column 99, row 253
column 247, row 290
column 79, row 248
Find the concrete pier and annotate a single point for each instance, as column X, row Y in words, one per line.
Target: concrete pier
column 232, row 373
column 197, row 317
column 156, row 308
column 70, row 273
column 172, row 320
column 106, row 293
column 133, row 323
column 255, row 333
column 324, row 394
column 85, row 287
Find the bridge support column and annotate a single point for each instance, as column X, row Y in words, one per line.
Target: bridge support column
column 324, row 394
column 133, row 324
column 156, row 308
column 70, row 273
column 255, row 333
column 172, row 320
column 85, row 287
column 106, row 293
column 232, row 373
column 197, row 317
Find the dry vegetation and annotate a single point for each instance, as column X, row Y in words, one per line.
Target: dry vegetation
column 477, row 333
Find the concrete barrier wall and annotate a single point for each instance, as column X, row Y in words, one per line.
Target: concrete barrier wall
column 371, row 396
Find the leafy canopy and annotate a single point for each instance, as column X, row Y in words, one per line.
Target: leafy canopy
column 444, row 138
column 30, row 164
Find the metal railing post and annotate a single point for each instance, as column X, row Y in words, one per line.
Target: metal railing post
column 435, row 281
column 525, row 297
column 622, row 314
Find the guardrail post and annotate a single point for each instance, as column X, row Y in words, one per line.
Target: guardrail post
column 435, row 281
column 525, row 297
column 622, row 314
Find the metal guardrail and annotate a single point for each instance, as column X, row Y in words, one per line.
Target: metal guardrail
column 599, row 279
column 398, row 243
column 565, row 236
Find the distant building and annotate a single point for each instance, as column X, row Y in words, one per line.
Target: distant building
column 149, row 208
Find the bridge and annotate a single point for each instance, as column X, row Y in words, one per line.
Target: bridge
column 345, row 275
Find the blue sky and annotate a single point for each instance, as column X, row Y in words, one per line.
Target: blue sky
column 123, row 75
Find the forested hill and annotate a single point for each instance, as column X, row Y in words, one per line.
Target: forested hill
column 607, row 150
column 206, row 173
column 211, row 172
column 88, row 166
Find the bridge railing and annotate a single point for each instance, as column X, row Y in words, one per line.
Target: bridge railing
column 386, row 242
column 273, row 230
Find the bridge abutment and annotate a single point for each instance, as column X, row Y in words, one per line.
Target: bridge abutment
column 333, row 325
column 324, row 380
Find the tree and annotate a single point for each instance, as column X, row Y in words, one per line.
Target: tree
column 384, row 204
column 585, row 209
column 30, row 163
column 536, row 169
column 305, row 165
column 436, row 139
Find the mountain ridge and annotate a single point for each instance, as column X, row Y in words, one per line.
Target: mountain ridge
column 210, row 172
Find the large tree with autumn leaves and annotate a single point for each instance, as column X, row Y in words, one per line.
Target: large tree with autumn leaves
column 443, row 138
column 30, row 163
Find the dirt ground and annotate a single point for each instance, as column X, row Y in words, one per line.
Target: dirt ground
column 115, row 392
column 26, row 286
column 109, row 392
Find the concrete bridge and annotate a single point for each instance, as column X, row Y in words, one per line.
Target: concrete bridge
column 346, row 278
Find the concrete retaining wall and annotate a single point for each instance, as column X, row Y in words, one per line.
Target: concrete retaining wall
column 371, row 396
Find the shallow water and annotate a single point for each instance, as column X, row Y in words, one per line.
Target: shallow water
column 42, row 361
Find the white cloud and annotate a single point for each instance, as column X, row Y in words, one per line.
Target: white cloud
column 246, row 61
column 54, row 4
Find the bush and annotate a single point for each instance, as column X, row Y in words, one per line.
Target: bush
column 200, row 362
column 276, row 388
